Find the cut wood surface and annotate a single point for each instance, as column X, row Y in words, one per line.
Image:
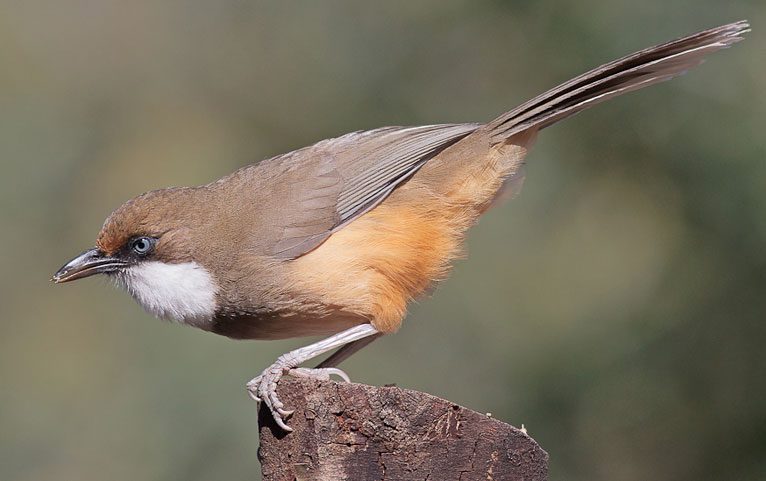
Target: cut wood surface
column 357, row 432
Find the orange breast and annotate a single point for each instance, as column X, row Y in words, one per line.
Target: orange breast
column 381, row 261
column 378, row 263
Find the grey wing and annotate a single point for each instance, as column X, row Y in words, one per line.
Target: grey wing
column 337, row 180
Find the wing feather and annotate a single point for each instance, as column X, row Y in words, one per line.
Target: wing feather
column 337, row 180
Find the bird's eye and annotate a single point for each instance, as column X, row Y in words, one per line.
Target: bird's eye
column 142, row 245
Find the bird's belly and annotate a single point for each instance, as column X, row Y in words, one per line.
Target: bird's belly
column 283, row 326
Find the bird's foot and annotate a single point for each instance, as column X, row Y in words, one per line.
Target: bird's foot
column 263, row 388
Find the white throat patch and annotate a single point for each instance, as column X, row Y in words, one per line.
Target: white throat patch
column 177, row 292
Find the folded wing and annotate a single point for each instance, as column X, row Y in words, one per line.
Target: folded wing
column 337, row 180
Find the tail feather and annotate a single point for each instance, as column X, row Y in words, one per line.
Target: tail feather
column 641, row 69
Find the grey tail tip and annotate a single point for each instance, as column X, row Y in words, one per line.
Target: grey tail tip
column 735, row 30
column 726, row 35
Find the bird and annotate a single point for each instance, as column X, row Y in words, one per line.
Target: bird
column 337, row 238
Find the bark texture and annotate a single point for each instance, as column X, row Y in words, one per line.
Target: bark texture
column 357, row 432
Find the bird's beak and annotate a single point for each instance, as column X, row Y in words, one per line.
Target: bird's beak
column 93, row 261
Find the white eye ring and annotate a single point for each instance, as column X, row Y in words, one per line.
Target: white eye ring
column 142, row 245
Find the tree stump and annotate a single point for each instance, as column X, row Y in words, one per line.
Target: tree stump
column 357, row 432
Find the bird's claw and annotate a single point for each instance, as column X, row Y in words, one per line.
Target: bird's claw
column 263, row 388
column 252, row 388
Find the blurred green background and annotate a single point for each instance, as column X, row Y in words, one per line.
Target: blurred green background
column 616, row 308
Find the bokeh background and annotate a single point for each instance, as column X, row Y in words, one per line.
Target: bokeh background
column 616, row 308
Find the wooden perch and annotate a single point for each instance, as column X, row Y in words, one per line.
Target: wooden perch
column 356, row 432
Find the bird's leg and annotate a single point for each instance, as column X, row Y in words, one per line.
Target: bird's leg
column 264, row 387
column 347, row 351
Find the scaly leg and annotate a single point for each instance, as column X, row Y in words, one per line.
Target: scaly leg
column 264, row 387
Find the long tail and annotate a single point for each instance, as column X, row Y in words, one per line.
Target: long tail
column 641, row 69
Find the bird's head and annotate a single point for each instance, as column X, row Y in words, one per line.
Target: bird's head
column 153, row 245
